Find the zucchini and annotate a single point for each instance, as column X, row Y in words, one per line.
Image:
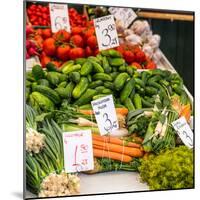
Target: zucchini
column 102, row 76
column 48, row 92
column 86, row 68
column 37, row 72
column 86, row 97
column 125, row 93
column 120, row 80
column 80, row 88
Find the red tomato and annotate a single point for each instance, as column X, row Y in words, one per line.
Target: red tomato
column 77, row 40
column 88, row 51
column 46, row 33
column 32, row 7
column 140, row 56
column 76, row 30
column 45, row 60
column 62, row 36
column 137, row 65
column 49, row 47
column 62, row 52
column 76, row 53
column 89, row 32
column 150, row 65
column 92, row 42
column 128, row 56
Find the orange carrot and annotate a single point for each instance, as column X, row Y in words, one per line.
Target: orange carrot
column 122, row 111
column 112, row 155
column 86, row 112
column 186, row 112
column 130, row 151
column 115, row 140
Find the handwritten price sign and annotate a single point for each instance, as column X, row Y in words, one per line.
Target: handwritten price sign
column 126, row 15
column 105, row 114
column 106, row 32
column 78, row 153
column 184, row 131
column 59, row 17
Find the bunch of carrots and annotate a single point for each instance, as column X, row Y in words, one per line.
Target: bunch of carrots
column 116, row 148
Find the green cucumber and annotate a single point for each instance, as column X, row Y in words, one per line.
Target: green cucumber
column 120, row 81
column 80, row 88
column 86, row 68
column 102, row 76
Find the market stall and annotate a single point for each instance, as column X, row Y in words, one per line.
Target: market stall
column 106, row 112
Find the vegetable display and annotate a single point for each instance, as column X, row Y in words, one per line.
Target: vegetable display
column 73, row 72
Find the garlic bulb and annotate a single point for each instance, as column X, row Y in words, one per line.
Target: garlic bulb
column 157, row 56
column 148, row 50
column 154, row 41
column 34, row 141
column 60, row 185
column 140, row 26
column 120, row 26
column 134, row 39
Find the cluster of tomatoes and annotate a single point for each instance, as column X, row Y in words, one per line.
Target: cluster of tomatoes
column 136, row 57
column 38, row 15
column 62, row 46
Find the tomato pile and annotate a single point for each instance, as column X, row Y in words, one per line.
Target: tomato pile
column 38, row 15
column 81, row 42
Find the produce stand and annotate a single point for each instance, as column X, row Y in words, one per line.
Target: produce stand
column 73, row 77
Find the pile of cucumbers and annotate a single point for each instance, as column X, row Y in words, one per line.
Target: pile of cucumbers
column 85, row 79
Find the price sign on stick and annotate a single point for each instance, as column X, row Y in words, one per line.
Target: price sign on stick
column 106, row 32
column 78, row 153
column 184, row 131
column 105, row 114
column 126, row 15
column 59, row 17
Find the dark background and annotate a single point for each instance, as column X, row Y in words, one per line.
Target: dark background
column 177, row 43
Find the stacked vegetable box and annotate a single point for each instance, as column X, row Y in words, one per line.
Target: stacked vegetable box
column 58, row 99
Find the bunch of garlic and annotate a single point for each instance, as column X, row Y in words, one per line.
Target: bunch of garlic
column 34, row 141
column 62, row 184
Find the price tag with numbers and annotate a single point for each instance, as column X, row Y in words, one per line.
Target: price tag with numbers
column 105, row 114
column 59, row 17
column 78, row 153
column 184, row 131
column 126, row 15
column 106, row 32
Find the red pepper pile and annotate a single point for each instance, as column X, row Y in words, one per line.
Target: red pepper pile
column 38, row 15
column 77, row 19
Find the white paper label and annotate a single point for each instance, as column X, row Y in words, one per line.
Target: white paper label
column 30, row 62
column 78, row 152
column 184, row 131
column 106, row 32
column 126, row 15
column 59, row 17
column 105, row 114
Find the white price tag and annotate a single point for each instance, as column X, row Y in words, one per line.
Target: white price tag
column 184, row 131
column 30, row 62
column 59, row 17
column 106, row 32
column 105, row 114
column 126, row 15
column 78, row 152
